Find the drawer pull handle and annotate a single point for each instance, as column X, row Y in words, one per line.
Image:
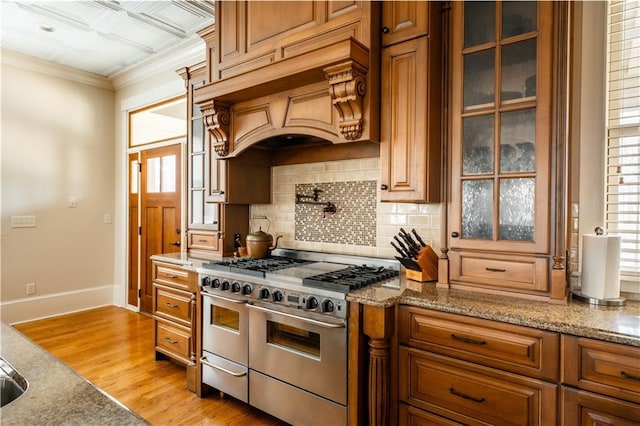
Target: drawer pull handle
column 202, row 241
column 173, row 277
column 452, row 391
column 629, row 376
column 495, row 270
column 467, row 340
column 170, row 305
column 169, row 340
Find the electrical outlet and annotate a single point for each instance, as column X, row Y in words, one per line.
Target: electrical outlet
column 31, row 289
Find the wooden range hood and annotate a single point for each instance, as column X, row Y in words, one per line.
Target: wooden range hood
column 328, row 94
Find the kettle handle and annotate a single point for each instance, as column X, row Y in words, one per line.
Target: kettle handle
column 260, row 227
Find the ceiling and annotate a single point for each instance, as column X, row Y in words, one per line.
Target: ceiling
column 104, row 37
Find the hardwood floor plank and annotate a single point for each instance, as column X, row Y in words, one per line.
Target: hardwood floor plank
column 113, row 348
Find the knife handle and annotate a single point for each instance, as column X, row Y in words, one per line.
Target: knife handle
column 420, row 240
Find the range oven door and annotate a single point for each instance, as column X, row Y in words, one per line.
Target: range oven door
column 307, row 353
column 225, row 327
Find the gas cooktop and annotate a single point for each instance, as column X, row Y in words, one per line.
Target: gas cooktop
column 337, row 273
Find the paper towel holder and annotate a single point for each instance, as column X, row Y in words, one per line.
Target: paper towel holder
column 577, row 295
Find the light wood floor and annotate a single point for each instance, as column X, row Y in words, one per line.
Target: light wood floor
column 113, row 348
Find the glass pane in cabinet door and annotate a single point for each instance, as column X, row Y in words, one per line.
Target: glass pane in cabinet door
column 197, row 141
column 210, row 213
column 518, row 70
column 518, row 17
column 517, row 141
column 477, row 209
column 479, row 78
column 477, row 145
column 479, row 22
column 197, row 201
column 517, row 209
column 197, row 171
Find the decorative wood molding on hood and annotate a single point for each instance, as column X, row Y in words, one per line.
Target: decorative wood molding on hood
column 295, row 96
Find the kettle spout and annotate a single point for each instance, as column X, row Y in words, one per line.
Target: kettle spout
column 275, row 246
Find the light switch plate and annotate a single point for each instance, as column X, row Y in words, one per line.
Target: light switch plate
column 23, row 221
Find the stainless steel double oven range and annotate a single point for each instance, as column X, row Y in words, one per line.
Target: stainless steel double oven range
column 275, row 330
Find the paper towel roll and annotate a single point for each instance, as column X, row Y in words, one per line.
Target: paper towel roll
column 601, row 266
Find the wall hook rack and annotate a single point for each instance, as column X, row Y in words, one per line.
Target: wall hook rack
column 329, row 207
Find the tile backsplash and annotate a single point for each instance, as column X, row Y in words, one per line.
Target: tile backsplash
column 352, row 185
column 354, row 221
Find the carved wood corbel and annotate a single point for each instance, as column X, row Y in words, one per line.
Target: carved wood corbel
column 348, row 86
column 216, row 119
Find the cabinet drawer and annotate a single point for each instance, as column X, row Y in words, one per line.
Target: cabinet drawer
column 203, row 241
column 512, row 272
column 603, row 367
column 171, row 275
column 173, row 304
column 473, row 394
column 518, row 349
column 585, row 408
column 413, row 416
column 173, row 340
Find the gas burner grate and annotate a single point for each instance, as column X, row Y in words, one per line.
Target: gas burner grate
column 255, row 267
column 350, row 278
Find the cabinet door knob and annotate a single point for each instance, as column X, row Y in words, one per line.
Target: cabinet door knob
column 454, row 234
column 384, row 187
column 385, row 30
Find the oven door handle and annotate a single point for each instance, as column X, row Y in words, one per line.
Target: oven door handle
column 308, row 320
column 224, row 370
column 227, row 299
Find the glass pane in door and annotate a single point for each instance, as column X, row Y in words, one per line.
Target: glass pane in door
column 294, row 338
column 227, row 318
column 197, row 201
column 517, row 141
column 518, row 70
column 518, row 17
column 479, row 78
column 133, row 177
column 479, row 22
column 517, row 209
column 169, row 173
column 477, row 144
column 153, row 175
column 477, row 209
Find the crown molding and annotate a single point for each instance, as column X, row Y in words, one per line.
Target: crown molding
column 31, row 63
column 186, row 53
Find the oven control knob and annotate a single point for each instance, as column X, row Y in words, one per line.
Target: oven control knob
column 246, row 289
column 215, row 283
column 277, row 296
column 206, row 281
column 264, row 293
column 312, row 303
column 235, row 287
column 327, row 306
column 225, row 285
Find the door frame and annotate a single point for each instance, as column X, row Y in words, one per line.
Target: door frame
column 182, row 141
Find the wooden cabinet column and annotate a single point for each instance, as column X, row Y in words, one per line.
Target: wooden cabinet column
column 378, row 325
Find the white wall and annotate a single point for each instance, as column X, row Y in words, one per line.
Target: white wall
column 57, row 143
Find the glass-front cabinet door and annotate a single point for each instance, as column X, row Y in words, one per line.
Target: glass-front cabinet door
column 500, row 146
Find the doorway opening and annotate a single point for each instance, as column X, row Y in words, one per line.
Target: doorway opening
column 157, row 137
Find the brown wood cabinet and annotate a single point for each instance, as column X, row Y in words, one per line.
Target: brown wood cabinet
column 503, row 211
column 475, row 371
column 410, row 137
column 404, row 20
column 175, row 316
column 601, row 382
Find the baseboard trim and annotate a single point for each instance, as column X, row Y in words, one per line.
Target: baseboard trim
column 51, row 305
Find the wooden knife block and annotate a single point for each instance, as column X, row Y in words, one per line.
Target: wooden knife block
column 428, row 261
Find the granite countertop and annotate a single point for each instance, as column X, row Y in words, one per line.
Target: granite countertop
column 613, row 324
column 608, row 323
column 56, row 394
